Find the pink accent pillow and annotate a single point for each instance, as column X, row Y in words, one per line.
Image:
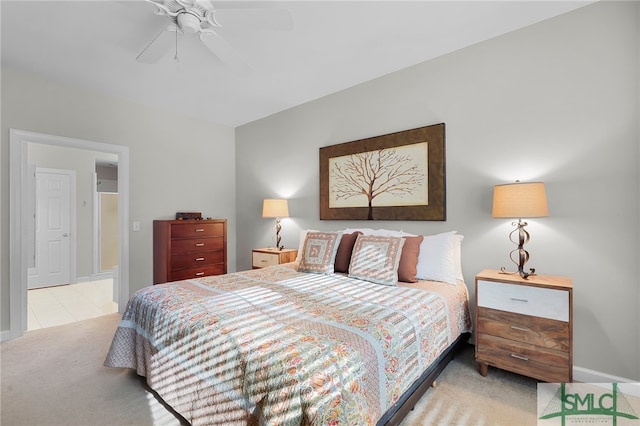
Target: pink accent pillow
column 408, row 267
column 343, row 256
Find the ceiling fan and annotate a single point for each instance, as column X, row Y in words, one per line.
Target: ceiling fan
column 202, row 18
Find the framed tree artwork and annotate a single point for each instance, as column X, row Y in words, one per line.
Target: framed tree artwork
column 398, row 176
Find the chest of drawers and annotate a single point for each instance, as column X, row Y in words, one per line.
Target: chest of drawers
column 525, row 326
column 261, row 258
column 185, row 249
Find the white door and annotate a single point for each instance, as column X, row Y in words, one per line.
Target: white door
column 52, row 229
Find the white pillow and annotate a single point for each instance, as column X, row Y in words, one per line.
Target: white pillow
column 458, row 256
column 303, row 236
column 457, row 253
column 365, row 231
column 377, row 232
column 437, row 258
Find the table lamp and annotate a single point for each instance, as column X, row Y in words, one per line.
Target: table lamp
column 276, row 208
column 520, row 200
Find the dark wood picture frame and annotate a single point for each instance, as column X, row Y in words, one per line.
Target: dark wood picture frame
column 434, row 208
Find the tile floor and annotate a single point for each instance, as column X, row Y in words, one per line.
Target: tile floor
column 64, row 304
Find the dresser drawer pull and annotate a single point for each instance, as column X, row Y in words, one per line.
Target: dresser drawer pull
column 516, row 327
column 200, row 230
column 524, row 358
column 515, row 299
column 199, row 244
column 264, row 261
column 199, row 259
column 199, row 274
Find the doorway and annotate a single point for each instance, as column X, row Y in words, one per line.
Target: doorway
column 20, row 141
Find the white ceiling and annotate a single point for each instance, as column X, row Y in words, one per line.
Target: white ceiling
column 334, row 45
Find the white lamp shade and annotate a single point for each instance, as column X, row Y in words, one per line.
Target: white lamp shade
column 520, row 200
column 277, row 207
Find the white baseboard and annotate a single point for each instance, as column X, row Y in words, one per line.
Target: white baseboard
column 584, row 375
column 5, row 335
column 96, row 277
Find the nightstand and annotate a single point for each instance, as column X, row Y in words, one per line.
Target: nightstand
column 264, row 257
column 525, row 325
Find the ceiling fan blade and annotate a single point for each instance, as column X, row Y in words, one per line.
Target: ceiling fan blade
column 159, row 46
column 255, row 19
column 227, row 54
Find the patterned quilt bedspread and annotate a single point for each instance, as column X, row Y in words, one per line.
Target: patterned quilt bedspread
column 276, row 346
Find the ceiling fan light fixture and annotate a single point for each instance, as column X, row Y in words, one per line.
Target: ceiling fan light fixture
column 200, row 17
column 188, row 22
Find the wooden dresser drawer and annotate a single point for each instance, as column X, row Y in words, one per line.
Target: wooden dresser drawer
column 190, row 260
column 262, row 260
column 543, row 332
column 527, row 300
column 196, row 244
column 541, row 363
column 202, row 271
column 195, row 229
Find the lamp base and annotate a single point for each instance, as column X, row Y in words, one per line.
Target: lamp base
column 522, row 254
column 523, row 274
column 278, row 238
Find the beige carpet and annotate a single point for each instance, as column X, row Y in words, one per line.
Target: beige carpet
column 55, row 376
column 463, row 397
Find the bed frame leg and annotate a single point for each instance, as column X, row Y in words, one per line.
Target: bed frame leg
column 483, row 367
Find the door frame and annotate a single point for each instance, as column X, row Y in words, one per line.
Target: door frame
column 73, row 251
column 19, row 141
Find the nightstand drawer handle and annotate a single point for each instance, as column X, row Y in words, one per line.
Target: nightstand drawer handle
column 524, row 358
column 516, row 327
column 515, row 299
column 199, row 259
column 199, row 274
column 199, row 244
column 264, row 261
column 200, row 230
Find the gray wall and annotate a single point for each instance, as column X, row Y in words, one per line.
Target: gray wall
column 107, row 178
column 556, row 102
column 176, row 163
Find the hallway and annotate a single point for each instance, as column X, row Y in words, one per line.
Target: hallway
column 64, row 304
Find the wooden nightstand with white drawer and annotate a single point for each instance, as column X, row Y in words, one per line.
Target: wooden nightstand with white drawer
column 525, row 325
column 261, row 258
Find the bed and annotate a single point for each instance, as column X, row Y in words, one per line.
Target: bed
column 292, row 345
